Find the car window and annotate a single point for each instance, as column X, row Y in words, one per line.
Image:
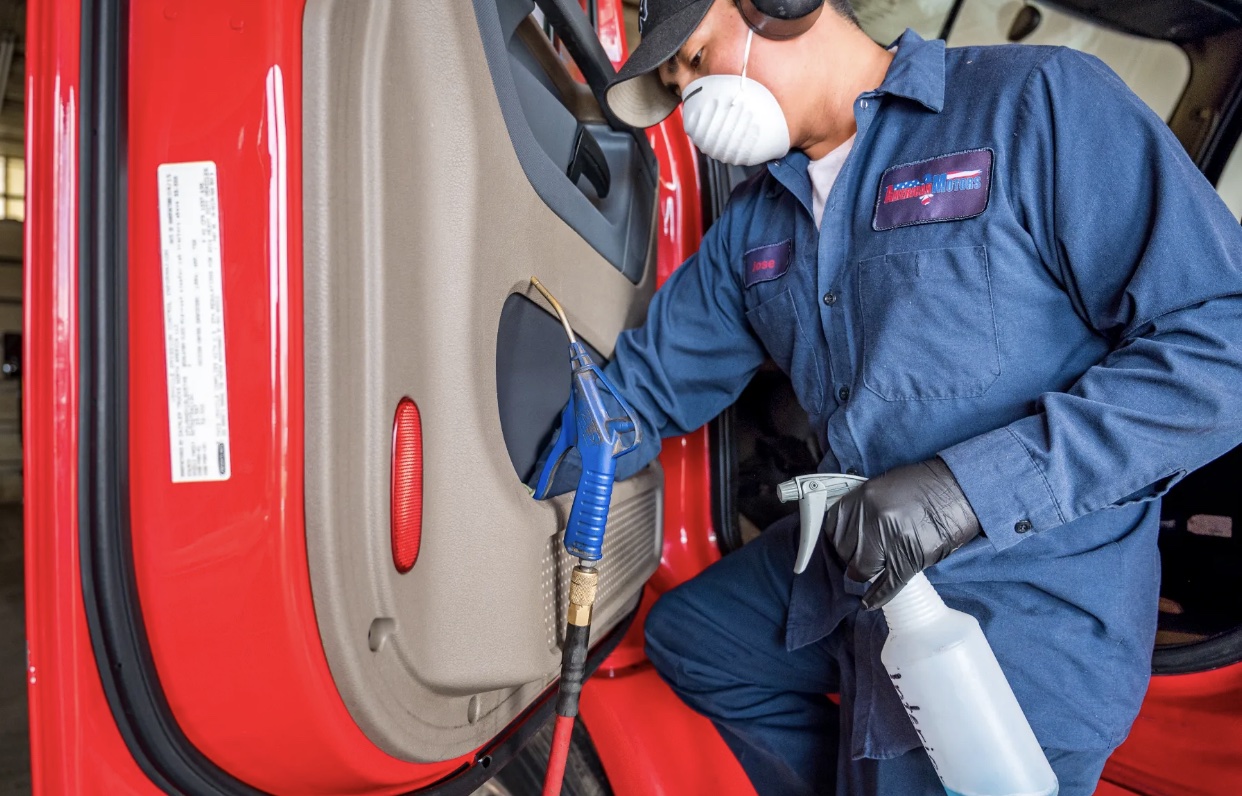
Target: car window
column 886, row 20
column 1157, row 71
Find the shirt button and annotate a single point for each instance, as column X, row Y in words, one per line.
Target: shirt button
column 843, row 394
column 852, row 471
column 830, row 299
column 863, row 103
column 1023, row 526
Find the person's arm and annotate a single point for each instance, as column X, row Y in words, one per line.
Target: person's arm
column 688, row 361
column 693, row 355
column 1152, row 260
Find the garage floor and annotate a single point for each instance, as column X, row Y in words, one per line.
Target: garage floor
column 14, row 746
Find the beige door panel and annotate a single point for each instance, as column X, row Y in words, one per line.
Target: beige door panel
column 420, row 222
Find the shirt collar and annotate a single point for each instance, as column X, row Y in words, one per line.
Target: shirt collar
column 917, row 72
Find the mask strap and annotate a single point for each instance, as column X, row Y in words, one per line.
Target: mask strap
column 750, row 36
column 741, row 81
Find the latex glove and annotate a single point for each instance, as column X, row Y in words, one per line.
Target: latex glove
column 897, row 525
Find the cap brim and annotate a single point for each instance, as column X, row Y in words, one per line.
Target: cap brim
column 636, row 95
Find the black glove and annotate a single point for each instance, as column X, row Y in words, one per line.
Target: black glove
column 897, row 525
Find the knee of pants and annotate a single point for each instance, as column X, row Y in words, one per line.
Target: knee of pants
column 666, row 634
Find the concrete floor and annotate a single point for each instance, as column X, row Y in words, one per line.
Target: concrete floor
column 14, row 741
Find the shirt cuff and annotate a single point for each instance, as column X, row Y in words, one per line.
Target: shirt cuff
column 1009, row 494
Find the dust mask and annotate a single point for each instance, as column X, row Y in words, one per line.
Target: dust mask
column 735, row 119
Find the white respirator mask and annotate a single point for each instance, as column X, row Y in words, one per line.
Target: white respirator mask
column 735, row 119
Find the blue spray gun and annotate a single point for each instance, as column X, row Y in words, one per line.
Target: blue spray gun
column 598, row 422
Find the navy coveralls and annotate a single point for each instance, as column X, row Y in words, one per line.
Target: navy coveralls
column 1018, row 270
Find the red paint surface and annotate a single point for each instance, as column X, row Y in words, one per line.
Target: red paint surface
column 1187, row 738
column 651, row 744
column 222, row 570
column 75, row 747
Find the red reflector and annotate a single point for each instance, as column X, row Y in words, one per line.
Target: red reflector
column 407, row 485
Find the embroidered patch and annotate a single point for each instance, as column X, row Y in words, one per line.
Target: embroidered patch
column 767, row 262
column 947, row 188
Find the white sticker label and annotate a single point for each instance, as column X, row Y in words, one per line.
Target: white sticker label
column 198, row 405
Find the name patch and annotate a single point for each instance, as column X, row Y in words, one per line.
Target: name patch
column 767, row 262
column 947, row 188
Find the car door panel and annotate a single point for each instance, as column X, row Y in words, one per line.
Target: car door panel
column 422, row 226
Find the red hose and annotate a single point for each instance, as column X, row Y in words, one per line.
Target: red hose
column 560, row 753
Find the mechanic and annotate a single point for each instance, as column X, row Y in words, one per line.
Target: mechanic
column 1001, row 290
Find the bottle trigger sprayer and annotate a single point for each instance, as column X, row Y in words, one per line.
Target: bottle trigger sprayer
column 945, row 673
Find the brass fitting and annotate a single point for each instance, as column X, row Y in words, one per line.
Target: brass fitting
column 582, row 587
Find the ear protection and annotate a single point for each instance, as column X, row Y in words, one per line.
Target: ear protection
column 780, row 19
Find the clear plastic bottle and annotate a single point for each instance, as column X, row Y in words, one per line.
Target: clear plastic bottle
column 956, row 695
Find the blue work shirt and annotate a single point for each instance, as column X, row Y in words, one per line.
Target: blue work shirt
column 1019, row 270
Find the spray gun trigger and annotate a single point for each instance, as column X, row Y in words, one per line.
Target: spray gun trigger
column 566, row 439
column 815, row 493
column 811, row 510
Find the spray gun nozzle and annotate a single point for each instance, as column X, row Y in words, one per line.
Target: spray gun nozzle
column 556, row 305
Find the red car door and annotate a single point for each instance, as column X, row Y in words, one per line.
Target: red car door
column 277, row 259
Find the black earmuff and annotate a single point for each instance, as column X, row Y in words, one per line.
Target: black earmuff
column 780, row 19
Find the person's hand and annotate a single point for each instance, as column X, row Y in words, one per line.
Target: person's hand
column 897, row 525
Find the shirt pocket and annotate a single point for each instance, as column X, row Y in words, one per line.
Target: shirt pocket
column 776, row 323
column 929, row 325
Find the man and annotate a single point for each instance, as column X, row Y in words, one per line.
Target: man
column 1002, row 292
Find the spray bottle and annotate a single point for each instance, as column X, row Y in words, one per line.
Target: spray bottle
column 945, row 672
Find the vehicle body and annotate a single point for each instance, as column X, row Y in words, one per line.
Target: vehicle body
column 386, row 177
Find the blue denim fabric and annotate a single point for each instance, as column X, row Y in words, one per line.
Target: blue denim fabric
column 1070, row 351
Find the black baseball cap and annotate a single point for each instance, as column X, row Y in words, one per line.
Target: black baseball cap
column 636, row 95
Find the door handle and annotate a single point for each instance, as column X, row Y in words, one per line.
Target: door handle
column 588, row 161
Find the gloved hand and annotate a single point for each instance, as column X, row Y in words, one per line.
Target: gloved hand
column 897, row 525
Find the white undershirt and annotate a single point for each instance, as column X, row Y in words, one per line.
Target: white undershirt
column 824, row 173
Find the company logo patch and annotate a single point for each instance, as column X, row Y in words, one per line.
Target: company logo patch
column 767, row 262
column 642, row 17
column 947, row 188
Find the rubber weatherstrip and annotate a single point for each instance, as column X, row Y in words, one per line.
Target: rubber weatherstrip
column 109, row 590
column 718, row 186
column 1199, row 656
column 724, row 472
